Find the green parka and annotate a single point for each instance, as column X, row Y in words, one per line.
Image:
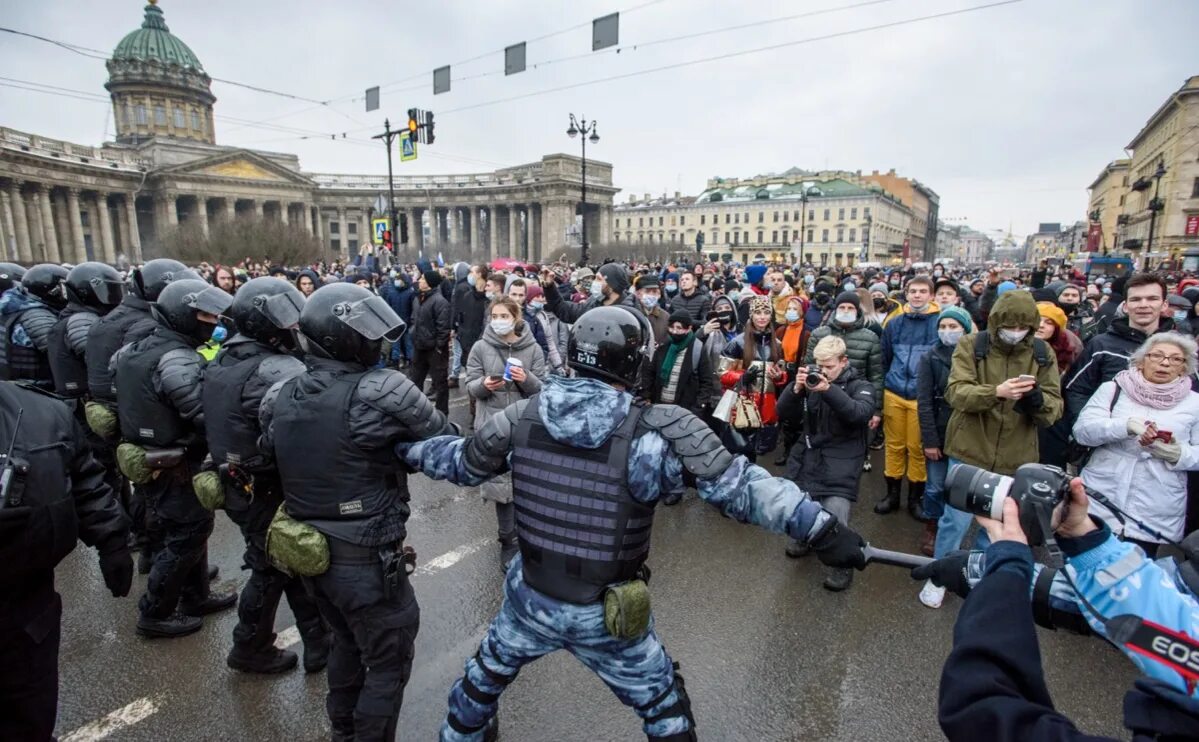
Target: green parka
column 998, row 434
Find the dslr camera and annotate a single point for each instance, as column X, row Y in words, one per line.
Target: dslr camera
column 813, row 375
column 1036, row 488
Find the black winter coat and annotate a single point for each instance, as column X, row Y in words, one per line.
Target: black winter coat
column 430, row 321
column 468, row 307
column 933, row 410
column 826, row 461
column 1105, row 356
column 694, row 390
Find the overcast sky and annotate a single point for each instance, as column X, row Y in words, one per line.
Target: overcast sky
column 1007, row 112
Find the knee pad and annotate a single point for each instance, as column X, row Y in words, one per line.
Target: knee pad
column 681, row 707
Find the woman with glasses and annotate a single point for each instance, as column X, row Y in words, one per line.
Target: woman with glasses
column 1144, row 429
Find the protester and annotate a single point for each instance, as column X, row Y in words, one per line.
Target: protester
column 751, row 364
column 680, row 368
column 431, row 340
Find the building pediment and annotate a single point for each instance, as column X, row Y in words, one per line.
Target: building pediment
column 242, row 164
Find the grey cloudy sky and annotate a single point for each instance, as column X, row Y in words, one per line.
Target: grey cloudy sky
column 1007, row 112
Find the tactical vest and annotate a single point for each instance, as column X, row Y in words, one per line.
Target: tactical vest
column 325, row 475
column 21, row 362
column 232, row 435
column 145, row 418
column 70, row 372
column 105, row 339
column 579, row 527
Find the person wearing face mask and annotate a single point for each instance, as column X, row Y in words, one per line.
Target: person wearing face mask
column 431, row 340
column 467, row 308
column 609, row 287
column 670, row 288
column 882, row 302
column 1078, row 312
column 947, row 293
column 1178, row 309
column 680, row 368
column 398, row 292
column 495, row 384
column 1003, row 386
column 793, row 338
column 1066, row 348
column 716, row 334
column 649, row 301
column 863, row 346
column 555, row 331
column 821, row 306
column 752, row 362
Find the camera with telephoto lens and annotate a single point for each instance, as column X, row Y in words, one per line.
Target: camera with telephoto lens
column 1036, row 488
column 814, row 375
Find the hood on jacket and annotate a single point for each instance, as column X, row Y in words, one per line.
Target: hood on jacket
column 523, row 340
column 581, row 412
column 1015, row 309
column 18, row 300
column 461, row 271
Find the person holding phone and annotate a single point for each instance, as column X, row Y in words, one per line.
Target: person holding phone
column 505, row 366
column 1144, row 427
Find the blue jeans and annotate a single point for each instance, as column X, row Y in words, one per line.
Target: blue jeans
column 455, row 358
column 934, row 487
column 953, row 524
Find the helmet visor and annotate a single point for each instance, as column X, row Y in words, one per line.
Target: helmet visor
column 283, row 310
column 211, row 300
column 372, row 318
column 108, row 292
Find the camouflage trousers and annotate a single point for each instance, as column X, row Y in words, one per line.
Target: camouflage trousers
column 531, row 625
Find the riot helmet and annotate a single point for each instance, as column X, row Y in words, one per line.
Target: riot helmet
column 611, row 344
column 10, row 275
column 348, row 323
column 180, row 303
column 149, row 280
column 267, row 309
column 95, row 285
column 45, row 281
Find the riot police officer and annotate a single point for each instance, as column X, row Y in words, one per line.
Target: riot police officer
column 331, row 430
column 589, row 464
column 10, row 275
column 265, row 312
column 129, row 322
column 28, row 311
column 158, row 382
column 93, row 290
column 55, row 494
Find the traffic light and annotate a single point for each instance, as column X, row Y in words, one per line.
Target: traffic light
column 387, row 239
column 428, row 127
column 413, row 123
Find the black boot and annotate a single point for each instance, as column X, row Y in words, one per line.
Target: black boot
column 491, row 732
column 798, row 549
column 509, row 548
column 316, row 652
column 838, row 579
column 890, row 502
column 916, row 500
column 213, row 571
column 174, row 625
column 268, row 660
column 145, row 560
column 214, row 603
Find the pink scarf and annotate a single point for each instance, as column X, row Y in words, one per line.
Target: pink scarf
column 1155, row 396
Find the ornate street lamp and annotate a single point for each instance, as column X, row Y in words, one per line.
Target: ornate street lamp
column 585, row 128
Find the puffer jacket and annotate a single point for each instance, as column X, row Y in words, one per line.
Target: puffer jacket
column 864, row 349
column 1147, row 488
column 906, row 337
column 714, row 345
column 827, row 459
column 1105, row 355
column 697, row 305
column 931, row 406
column 998, row 434
column 430, row 321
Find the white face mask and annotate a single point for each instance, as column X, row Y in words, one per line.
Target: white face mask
column 649, row 301
column 502, row 327
column 950, row 337
column 490, row 295
column 597, row 288
column 846, row 318
column 537, row 306
column 792, row 315
column 1012, row 336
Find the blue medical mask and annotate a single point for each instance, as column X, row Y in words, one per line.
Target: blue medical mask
column 649, row 301
column 537, row 306
column 1180, row 315
column 950, row 337
column 671, row 288
column 219, row 333
column 734, row 295
column 792, row 315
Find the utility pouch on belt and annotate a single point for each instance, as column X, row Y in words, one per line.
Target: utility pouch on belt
column 395, row 562
column 131, row 460
column 627, row 609
column 209, row 490
column 102, row 421
column 296, row 548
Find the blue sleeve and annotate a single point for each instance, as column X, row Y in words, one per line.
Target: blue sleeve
column 1117, row 578
column 653, row 472
column 441, row 458
column 888, row 354
column 747, row 493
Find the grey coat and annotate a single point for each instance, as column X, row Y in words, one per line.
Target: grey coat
column 487, row 358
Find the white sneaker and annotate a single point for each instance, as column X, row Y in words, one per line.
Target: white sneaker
column 931, row 595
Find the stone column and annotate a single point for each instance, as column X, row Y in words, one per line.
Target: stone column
column 410, row 216
column 12, row 245
column 452, row 217
column 202, row 214
column 343, row 237
column 135, row 239
column 230, row 209
column 258, row 209
column 62, row 223
column 434, row 229
column 493, row 240
column 50, row 251
column 556, row 216
column 513, row 231
column 307, row 217
column 365, row 233
column 80, row 250
column 536, row 253
column 107, row 239
column 473, row 226
column 20, row 220
column 605, row 225
column 418, row 225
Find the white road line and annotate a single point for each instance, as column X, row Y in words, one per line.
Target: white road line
column 291, row 635
column 113, row 722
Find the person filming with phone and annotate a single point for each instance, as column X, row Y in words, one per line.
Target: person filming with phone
column 1143, row 427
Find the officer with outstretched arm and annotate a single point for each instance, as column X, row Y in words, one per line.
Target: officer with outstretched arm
column 589, row 463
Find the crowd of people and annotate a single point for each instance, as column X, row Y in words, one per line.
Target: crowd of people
column 811, row 367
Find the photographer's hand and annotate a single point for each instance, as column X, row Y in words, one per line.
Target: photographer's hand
column 1007, row 529
column 822, row 386
column 949, row 572
column 1072, row 514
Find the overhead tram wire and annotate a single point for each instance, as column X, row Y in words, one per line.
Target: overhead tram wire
column 731, row 55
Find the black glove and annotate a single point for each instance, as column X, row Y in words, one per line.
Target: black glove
column 751, row 375
column 117, row 568
column 948, row 572
column 840, row 546
column 1030, row 403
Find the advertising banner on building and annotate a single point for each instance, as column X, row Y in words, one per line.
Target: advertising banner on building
column 1094, row 237
column 1192, row 225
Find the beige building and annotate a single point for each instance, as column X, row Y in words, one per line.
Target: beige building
column 1108, row 193
column 1169, row 138
column 831, row 220
column 66, row 202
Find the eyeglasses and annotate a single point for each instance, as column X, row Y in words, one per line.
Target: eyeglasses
column 1166, row 360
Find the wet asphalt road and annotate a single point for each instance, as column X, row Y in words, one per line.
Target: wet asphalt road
column 767, row 653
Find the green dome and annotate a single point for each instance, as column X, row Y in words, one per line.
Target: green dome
column 153, row 42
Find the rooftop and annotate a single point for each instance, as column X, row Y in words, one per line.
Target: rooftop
column 153, row 42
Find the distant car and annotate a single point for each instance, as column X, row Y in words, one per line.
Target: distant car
column 507, row 264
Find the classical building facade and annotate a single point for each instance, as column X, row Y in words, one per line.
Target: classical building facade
column 1107, row 195
column 66, row 202
column 832, row 220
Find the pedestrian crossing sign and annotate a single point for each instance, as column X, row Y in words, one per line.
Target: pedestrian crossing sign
column 379, row 226
column 407, row 147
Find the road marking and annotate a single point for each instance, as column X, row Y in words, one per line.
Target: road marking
column 114, row 722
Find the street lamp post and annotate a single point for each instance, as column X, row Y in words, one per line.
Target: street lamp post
column 575, row 129
column 1155, row 205
column 803, row 203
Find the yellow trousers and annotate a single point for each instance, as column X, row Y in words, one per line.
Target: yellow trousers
column 901, row 428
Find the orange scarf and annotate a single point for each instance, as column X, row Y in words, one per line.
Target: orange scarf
column 792, row 334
